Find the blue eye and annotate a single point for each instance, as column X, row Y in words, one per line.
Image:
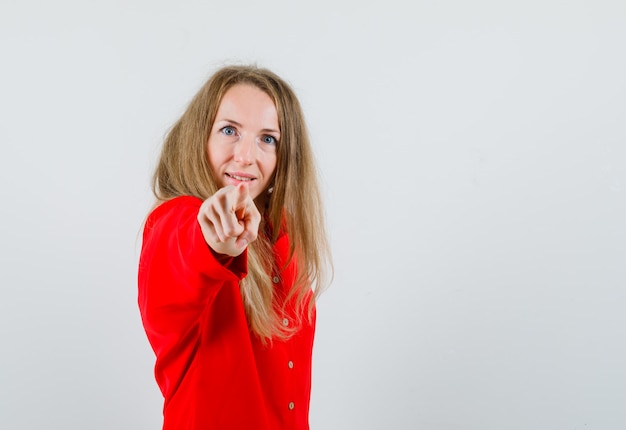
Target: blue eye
column 270, row 140
column 228, row 130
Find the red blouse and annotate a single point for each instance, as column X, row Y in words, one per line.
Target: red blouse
column 213, row 372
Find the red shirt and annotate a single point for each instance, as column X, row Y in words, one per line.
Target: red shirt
column 213, row 372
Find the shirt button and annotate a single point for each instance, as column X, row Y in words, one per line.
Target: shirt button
column 285, row 322
column 290, row 364
column 291, row 406
column 275, row 279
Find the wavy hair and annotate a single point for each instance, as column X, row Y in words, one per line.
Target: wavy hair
column 295, row 203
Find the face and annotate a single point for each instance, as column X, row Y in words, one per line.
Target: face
column 242, row 143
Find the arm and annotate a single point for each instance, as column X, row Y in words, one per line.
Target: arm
column 179, row 275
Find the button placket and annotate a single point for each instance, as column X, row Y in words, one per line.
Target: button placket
column 290, row 366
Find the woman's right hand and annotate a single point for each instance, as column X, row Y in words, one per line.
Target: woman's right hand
column 229, row 220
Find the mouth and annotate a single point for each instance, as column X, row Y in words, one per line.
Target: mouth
column 240, row 177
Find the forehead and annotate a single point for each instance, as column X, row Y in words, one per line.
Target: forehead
column 247, row 100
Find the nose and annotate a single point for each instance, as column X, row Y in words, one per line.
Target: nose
column 245, row 150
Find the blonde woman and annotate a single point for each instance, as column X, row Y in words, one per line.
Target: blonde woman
column 234, row 256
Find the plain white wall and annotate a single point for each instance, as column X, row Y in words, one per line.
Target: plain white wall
column 473, row 158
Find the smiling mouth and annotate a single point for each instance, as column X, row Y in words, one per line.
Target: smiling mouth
column 239, row 178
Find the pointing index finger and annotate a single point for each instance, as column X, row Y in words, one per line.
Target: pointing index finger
column 241, row 197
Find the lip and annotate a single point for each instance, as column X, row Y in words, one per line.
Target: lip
column 235, row 178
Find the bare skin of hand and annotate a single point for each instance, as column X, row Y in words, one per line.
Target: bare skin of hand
column 229, row 220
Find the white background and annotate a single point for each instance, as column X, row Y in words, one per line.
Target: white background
column 473, row 159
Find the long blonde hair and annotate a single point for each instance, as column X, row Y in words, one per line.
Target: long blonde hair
column 295, row 202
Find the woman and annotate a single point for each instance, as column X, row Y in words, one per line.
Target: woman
column 234, row 256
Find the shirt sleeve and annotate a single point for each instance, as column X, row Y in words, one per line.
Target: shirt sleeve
column 179, row 275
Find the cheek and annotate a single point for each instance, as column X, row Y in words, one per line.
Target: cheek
column 270, row 166
column 214, row 156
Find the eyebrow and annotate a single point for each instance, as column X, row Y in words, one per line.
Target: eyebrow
column 238, row 124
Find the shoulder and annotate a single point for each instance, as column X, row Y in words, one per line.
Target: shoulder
column 173, row 210
column 175, row 204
